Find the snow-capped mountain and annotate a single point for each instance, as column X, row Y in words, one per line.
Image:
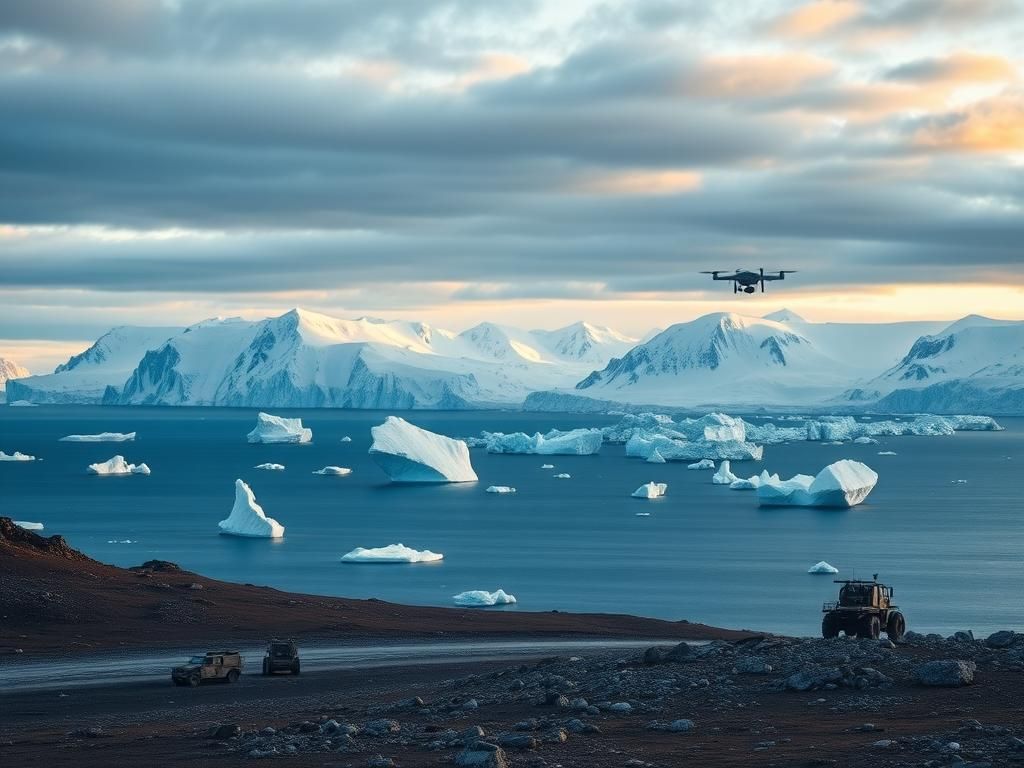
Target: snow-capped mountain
column 10, row 370
column 977, row 363
column 85, row 377
column 308, row 359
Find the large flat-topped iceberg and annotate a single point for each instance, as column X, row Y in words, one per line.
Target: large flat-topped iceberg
column 409, row 454
column 276, row 429
column 117, row 466
column 650, row 490
column 16, row 456
column 845, row 483
column 247, row 518
column 102, row 437
column 576, row 442
column 480, row 598
column 392, row 553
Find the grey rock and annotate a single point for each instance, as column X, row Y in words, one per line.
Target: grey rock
column 579, row 703
column 224, row 731
column 379, row 761
column 813, row 678
column 681, row 726
column 948, row 673
column 752, row 665
column 482, row 755
column 621, row 708
column 471, row 734
column 655, row 655
column 963, row 636
column 1002, row 639
column 682, row 652
column 518, row 741
column 382, row 727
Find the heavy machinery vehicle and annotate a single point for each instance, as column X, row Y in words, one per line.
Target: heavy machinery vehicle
column 864, row 609
column 281, row 656
column 213, row 665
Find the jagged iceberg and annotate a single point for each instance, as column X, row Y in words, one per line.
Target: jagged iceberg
column 276, row 429
column 822, row 567
column 331, row 470
column 16, row 456
column 102, row 437
column 500, row 489
column 724, row 475
column 657, row 458
column 393, row 553
column 702, row 464
column 28, row 526
column 576, row 442
column 247, row 518
column 844, row 483
column 271, row 466
column 642, row 445
column 346, row 439
column 754, row 482
column 650, row 490
column 117, row 466
column 409, row 454
column 479, row 598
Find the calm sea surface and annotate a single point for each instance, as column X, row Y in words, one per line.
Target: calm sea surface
column 954, row 551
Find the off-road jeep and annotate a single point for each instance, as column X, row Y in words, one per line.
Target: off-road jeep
column 214, row 665
column 864, row 609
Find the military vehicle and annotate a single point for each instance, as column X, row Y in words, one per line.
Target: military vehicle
column 864, row 609
column 282, row 656
column 213, row 665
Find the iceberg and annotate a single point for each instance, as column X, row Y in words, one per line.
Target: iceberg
column 650, row 490
column 702, row 464
column 865, row 440
column 724, row 475
column 478, row 598
column 346, row 439
column 408, row 454
column 22, row 404
column 822, row 567
column 117, row 466
column 393, row 553
column 563, row 476
column 333, row 471
column 844, row 483
column 271, row 466
column 500, row 489
column 576, row 442
column 655, row 457
column 28, row 526
column 247, row 518
column 102, row 437
column 16, row 456
column 887, row 453
column 547, row 466
column 754, row 482
column 275, row 429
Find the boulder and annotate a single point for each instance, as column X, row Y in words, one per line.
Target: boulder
column 947, row 673
column 482, row 754
column 1002, row 639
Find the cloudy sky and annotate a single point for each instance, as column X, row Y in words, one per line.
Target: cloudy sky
column 529, row 162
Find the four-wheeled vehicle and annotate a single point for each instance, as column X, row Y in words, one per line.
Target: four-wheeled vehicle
column 213, row 665
column 281, row 656
column 864, row 609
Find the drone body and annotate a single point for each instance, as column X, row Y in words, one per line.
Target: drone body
column 744, row 280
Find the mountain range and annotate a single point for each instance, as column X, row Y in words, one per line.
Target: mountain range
column 10, row 370
column 307, row 359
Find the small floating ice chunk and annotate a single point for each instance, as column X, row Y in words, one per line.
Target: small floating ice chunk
column 409, row 454
column 28, row 526
column 887, row 453
column 333, row 471
column 865, row 440
column 500, row 489
column 392, row 553
column 563, row 476
column 547, row 466
column 276, row 429
column 270, row 466
column 23, row 404
column 958, row 482
column 120, row 541
column 643, row 514
column 724, row 475
column 656, row 458
column 102, row 437
column 117, row 466
column 247, row 518
column 346, row 439
column 16, row 456
column 650, row 490
column 822, row 567
column 479, row 598
column 702, row 464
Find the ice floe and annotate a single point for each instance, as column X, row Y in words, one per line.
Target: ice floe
column 102, row 437
column 865, row 440
column 16, row 456
column 547, row 466
column 346, row 439
column 247, row 518
column 408, row 454
column 500, row 489
column 844, row 483
column 479, row 598
column 563, row 476
column 331, row 470
column 822, row 567
column 276, row 429
column 702, row 464
column 576, row 442
column 23, row 404
column 393, row 553
column 28, row 526
column 270, row 466
column 650, row 490
column 117, row 466
column 887, row 453
column 724, row 475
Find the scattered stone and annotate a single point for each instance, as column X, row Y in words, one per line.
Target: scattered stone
column 224, row 732
column 1002, row 639
column 948, row 673
column 482, row 754
column 681, row 726
column 379, row 761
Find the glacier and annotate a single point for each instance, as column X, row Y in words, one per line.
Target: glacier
column 276, row 429
column 102, row 437
column 479, row 598
column 247, row 518
column 650, row 490
column 408, row 454
column 393, row 553
column 117, row 466
column 844, row 483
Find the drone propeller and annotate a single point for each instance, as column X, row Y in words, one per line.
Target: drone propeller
column 762, row 279
column 787, row 271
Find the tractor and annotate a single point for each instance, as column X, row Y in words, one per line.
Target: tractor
column 864, row 609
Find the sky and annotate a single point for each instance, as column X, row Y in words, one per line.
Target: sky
column 526, row 162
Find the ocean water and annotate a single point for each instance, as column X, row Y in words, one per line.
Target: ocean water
column 953, row 551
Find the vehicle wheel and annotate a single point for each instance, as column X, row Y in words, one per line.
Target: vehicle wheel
column 829, row 627
column 233, row 676
column 266, row 668
column 194, row 681
column 896, row 627
column 296, row 668
column 874, row 628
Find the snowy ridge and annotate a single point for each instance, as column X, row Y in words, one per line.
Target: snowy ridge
column 10, row 370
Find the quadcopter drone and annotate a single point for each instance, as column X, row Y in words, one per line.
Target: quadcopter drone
column 743, row 280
